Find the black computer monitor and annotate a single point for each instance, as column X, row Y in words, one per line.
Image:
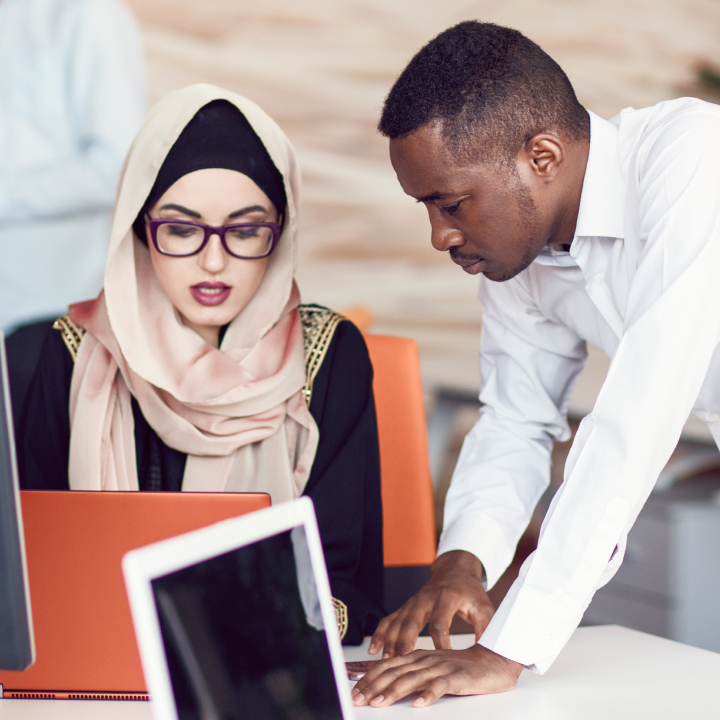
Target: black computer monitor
column 17, row 649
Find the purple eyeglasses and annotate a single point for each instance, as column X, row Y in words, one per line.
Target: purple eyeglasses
column 182, row 238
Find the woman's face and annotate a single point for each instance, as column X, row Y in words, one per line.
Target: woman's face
column 209, row 289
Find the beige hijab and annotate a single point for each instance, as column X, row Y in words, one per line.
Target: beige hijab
column 238, row 411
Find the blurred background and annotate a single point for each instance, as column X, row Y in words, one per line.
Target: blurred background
column 322, row 68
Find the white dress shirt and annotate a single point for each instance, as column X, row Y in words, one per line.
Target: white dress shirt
column 639, row 282
column 72, row 96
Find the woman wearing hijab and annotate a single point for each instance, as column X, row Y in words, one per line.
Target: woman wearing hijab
column 196, row 368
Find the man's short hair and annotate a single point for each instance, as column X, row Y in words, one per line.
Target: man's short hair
column 491, row 88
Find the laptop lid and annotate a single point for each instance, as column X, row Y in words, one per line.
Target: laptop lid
column 75, row 542
column 17, row 649
column 236, row 621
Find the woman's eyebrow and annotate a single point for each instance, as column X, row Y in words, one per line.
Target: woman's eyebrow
column 180, row 208
column 247, row 210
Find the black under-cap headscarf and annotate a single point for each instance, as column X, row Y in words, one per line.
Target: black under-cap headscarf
column 218, row 136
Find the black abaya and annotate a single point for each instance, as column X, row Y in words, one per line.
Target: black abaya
column 344, row 483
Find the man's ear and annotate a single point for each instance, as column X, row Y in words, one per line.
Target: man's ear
column 544, row 154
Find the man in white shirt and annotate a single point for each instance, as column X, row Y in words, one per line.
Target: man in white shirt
column 72, row 95
column 582, row 230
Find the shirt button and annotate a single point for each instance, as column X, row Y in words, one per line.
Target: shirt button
column 713, row 417
column 597, row 279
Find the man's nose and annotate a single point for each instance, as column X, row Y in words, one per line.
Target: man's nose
column 443, row 234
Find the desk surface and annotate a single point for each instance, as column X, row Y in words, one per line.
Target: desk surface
column 604, row 673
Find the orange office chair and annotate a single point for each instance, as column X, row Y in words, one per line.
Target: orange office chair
column 407, row 494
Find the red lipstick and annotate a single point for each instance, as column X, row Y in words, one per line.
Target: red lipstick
column 211, row 293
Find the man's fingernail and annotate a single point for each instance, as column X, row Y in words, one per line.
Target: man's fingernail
column 355, row 692
column 377, row 700
column 386, row 656
column 419, row 701
column 358, row 698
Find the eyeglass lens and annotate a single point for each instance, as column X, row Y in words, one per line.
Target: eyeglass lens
column 184, row 239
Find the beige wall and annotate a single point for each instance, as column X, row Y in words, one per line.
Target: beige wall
column 321, row 68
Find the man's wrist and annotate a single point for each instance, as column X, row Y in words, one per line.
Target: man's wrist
column 503, row 664
column 460, row 561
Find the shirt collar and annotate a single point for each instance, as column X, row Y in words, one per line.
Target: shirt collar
column 550, row 256
column 602, row 202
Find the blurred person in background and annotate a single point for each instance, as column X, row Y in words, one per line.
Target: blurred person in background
column 580, row 230
column 72, row 95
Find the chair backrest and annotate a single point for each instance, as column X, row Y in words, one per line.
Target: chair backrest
column 407, row 496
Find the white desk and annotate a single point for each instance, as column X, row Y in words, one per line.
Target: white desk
column 604, row 673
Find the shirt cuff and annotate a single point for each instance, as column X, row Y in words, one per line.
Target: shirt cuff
column 482, row 536
column 530, row 628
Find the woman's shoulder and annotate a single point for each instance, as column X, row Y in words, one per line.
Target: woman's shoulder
column 319, row 324
column 329, row 338
column 70, row 333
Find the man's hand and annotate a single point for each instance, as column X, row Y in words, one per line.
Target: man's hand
column 434, row 673
column 455, row 588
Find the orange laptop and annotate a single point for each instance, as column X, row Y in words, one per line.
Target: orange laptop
column 84, row 638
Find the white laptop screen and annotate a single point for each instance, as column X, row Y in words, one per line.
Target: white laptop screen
column 244, row 637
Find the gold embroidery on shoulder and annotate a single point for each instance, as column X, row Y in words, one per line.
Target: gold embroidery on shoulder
column 72, row 334
column 341, row 615
column 319, row 325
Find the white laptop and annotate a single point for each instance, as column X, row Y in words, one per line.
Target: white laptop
column 236, row 621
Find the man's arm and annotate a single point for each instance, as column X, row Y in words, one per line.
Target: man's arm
column 528, row 367
column 105, row 95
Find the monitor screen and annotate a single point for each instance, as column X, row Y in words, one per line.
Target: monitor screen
column 16, row 641
column 244, row 636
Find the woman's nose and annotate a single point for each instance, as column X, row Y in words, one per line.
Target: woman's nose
column 213, row 257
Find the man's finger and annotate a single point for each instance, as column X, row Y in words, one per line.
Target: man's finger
column 432, row 680
column 380, row 676
column 399, row 677
column 378, row 639
column 479, row 615
column 409, row 629
column 435, row 690
column 391, row 634
column 441, row 619
column 401, row 629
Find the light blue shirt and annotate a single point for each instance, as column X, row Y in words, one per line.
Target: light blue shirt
column 72, row 96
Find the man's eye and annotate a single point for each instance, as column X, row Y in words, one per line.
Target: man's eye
column 451, row 209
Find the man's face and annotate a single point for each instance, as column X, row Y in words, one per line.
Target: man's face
column 484, row 215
